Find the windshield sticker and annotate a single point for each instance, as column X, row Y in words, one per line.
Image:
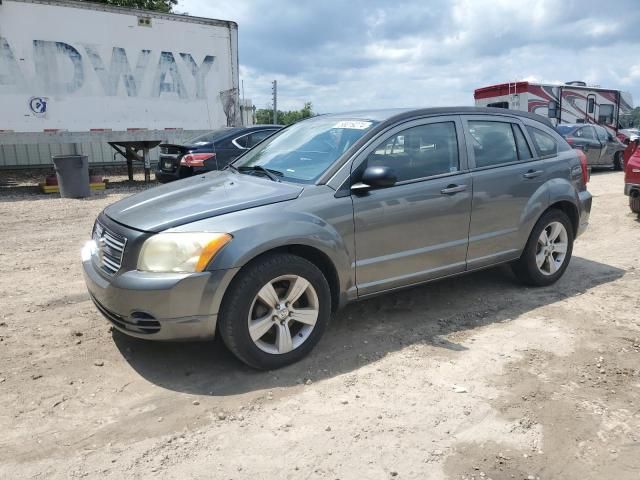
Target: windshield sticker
column 353, row 124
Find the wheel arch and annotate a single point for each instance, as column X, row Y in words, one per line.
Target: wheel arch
column 319, row 259
column 570, row 209
column 314, row 255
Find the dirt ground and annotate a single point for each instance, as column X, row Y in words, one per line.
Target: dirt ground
column 470, row 378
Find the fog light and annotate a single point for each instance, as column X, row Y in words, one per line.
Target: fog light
column 90, row 249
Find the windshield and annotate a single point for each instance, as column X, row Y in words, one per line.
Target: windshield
column 302, row 152
column 210, row 137
column 564, row 129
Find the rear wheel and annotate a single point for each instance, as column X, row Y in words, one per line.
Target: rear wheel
column 548, row 250
column 634, row 204
column 618, row 162
column 275, row 311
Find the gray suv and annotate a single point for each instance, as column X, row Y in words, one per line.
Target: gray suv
column 334, row 209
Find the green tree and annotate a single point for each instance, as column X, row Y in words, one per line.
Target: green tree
column 265, row 115
column 632, row 119
column 164, row 6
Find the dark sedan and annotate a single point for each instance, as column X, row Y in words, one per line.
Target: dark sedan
column 211, row 151
column 601, row 147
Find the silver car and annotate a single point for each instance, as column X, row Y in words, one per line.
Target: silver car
column 331, row 210
column 600, row 147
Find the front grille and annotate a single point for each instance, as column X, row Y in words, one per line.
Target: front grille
column 110, row 248
column 147, row 325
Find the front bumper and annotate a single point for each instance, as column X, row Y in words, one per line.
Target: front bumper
column 159, row 306
column 585, row 200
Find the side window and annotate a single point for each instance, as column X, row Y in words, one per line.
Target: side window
column 242, row 141
column 605, row 113
column 602, row 134
column 545, row 144
column 584, row 132
column 257, row 137
column 493, row 143
column 524, row 152
column 419, row 152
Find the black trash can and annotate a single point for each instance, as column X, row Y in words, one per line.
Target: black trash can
column 73, row 175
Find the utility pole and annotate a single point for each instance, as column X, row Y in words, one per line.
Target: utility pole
column 275, row 102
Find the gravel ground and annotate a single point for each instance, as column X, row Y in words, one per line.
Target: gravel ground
column 470, row 378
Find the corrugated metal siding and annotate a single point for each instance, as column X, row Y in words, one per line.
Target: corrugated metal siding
column 39, row 155
column 25, row 156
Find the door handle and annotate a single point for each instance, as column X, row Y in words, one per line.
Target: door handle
column 532, row 174
column 453, row 189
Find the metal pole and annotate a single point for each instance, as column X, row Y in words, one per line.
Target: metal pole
column 275, row 102
column 243, row 108
column 147, row 165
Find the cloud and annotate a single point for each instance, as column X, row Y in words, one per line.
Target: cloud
column 366, row 54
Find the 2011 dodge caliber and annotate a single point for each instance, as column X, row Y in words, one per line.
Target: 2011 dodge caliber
column 334, row 209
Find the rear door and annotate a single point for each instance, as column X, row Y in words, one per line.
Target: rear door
column 507, row 174
column 417, row 229
column 592, row 146
column 609, row 146
column 229, row 148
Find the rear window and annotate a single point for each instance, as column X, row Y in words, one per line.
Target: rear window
column 211, row 137
column 564, row 130
column 545, row 144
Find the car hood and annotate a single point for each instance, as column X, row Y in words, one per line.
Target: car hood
column 196, row 198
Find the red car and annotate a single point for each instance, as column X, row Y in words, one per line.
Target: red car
column 632, row 180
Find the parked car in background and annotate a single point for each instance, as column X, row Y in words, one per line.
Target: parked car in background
column 334, row 209
column 601, row 147
column 628, row 135
column 211, row 151
column 632, row 180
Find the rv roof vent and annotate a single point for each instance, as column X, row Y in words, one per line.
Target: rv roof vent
column 577, row 83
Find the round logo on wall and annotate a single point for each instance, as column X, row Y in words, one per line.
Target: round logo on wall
column 38, row 105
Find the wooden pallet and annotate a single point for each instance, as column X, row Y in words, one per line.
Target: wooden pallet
column 56, row 189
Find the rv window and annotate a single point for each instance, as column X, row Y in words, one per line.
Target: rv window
column 605, row 115
column 591, row 104
column 499, row 105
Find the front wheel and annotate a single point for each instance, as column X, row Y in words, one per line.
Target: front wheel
column 634, row 204
column 275, row 311
column 618, row 162
column 548, row 250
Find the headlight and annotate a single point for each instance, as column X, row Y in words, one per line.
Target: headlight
column 180, row 252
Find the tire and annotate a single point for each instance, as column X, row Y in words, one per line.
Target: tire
column 634, row 204
column 526, row 268
column 248, row 301
column 618, row 162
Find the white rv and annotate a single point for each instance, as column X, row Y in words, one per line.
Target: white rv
column 573, row 102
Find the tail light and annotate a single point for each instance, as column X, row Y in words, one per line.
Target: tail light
column 196, row 159
column 583, row 165
column 569, row 140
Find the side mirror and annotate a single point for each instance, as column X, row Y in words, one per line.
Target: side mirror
column 375, row 177
column 552, row 109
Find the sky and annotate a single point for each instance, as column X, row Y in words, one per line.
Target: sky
column 357, row 54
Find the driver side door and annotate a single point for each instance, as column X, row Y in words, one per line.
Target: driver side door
column 417, row 229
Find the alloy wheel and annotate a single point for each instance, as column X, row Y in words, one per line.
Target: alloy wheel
column 283, row 314
column 552, row 247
